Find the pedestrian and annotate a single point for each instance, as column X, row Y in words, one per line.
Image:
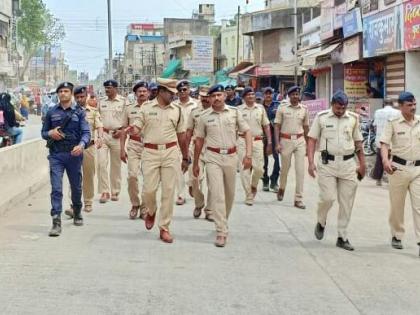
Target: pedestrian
column 256, row 117
column 113, row 110
column 162, row 124
column 382, row 116
column 259, row 98
column 153, row 89
column 10, row 118
column 187, row 104
column 24, row 106
column 132, row 156
column 67, row 133
column 271, row 109
column 218, row 130
column 402, row 135
column 232, row 99
column 196, row 183
column 291, row 132
column 336, row 134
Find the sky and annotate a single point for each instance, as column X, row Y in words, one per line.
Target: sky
column 85, row 23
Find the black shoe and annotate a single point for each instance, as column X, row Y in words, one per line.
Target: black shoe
column 274, row 187
column 266, row 187
column 419, row 248
column 344, row 244
column 77, row 219
column 396, row 243
column 319, row 231
column 56, row 227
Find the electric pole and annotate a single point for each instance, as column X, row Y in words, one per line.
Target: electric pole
column 296, row 44
column 154, row 60
column 237, row 35
column 109, row 41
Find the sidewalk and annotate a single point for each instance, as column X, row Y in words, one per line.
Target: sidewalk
column 272, row 263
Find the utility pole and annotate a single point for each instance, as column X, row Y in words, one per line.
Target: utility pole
column 109, row 41
column 142, row 61
column 154, row 60
column 296, row 39
column 237, row 34
column 45, row 65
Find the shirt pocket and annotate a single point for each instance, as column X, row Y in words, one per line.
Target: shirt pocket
column 329, row 132
column 348, row 141
column 402, row 137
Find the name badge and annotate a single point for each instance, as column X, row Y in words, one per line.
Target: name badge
column 152, row 114
column 329, row 126
column 401, row 133
column 211, row 120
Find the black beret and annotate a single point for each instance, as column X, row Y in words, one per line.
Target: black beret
column 405, row 97
column 111, row 83
column 79, row 89
column 216, row 88
column 182, row 83
column 268, row 89
column 293, row 89
column 229, row 87
column 340, row 97
column 247, row 90
column 140, row 84
column 67, row 85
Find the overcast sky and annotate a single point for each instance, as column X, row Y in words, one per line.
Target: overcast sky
column 85, row 22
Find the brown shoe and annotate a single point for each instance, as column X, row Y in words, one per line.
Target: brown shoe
column 104, row 198
column 197, row 212
column 300, row 205
column 166, row 237
column 209, row 218
column 150, row 221
column 280, row 194
column 133, row 212
column 114, row 198
column 70, row 212
column 254, row 191
column 88, row 208
column 190, row 191
column 220, row 241
column 180, row 201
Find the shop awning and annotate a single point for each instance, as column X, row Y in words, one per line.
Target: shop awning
column 274, row 69
column 309, row 57
column 244, row 71
column 240, row 66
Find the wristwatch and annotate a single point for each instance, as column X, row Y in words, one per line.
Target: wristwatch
column 188, row 160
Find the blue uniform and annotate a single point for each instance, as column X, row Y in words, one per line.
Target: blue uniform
column 236, row 101
column 271, row 113
column 77, row 132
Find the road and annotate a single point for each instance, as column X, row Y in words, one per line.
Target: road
column 32, row 130
column 271, row 265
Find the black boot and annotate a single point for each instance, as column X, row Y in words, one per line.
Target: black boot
column 319, row 231
column 396, row 243
column 344, row 244
column 77, row 219
column 56, row 226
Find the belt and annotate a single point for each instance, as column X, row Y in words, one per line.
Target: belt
column 223, row 151
column 110, row 130
column 160, row 146
column 136, row 138
column 290, row 136
column 401, row 161
column 345, row 157
column 256, row 138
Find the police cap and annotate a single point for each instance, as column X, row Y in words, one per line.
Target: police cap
column 111, row 82
column 229, row 87
column 259, row 96
column 204, row 90
column 140, row 84
column 67, row 85
column 268, row 89
column 79, row 89
column 153, row 86
column 247, row 90
column 405, row 97
column 340, row 97
column 293, row 89
column 182, row 83
column 216, row 88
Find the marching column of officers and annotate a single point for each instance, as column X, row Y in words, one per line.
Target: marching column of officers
column 172, row 144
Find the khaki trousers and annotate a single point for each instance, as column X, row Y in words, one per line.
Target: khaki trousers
column 406, row 179
column 197, row 184
column 134, row 153
column 89, row 168
column 160, row 167
column 183, row 178
column 110, row 148
column 337, row 180
column 221, row 176
column 251, row 177
column 298, row 149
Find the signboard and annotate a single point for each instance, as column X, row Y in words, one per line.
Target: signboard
column 142, row 26
column 340, row 10
column 315, row 106
column 412, row 24
column 352, row 23
column 351, row 49
column 262, row 71
column 383, row 32
column 351, row 4
column 327, row 19
column 355, row 80
column 202, row 55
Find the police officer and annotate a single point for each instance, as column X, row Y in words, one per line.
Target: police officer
column 113, row 113
column 162, row 125
column 402, row 134
column 196, row 183
column 291, row 127
column 336, row 133
column 256, row 117
column 67, row 133
column 218, row 128
column 153, row 88
column 232, row 99
column 187, row 104
column 134, row 151
column 271, row 109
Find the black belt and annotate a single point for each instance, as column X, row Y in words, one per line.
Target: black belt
column 331, row 157
column 401, row 161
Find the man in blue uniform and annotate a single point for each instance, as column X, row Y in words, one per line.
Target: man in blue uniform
column 231, row 98
column 67, row 133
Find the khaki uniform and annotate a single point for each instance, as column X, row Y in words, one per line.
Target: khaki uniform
column 219, row 130
column 186, row 111
column 338, row 178
column 89, row 156
column 160, row 126
column 291, row 120
column 113, row 114
column 256, row 117
column 134, row 152
column 405, row 142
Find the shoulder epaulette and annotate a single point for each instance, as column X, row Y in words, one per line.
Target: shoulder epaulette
column 323, row 112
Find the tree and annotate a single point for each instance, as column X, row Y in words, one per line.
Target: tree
column 37, row 27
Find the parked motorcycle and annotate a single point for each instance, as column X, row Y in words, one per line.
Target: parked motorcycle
column 369, row 136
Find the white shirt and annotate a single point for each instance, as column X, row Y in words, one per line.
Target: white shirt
column 381, row 118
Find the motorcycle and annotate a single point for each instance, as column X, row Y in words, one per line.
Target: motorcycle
column 5, row 139
column 369, row 136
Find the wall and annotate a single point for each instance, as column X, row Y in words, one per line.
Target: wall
column 228, row 42
column 412, row 78
column 23, row 170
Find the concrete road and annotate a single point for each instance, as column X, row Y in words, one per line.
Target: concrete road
column 271, row 265
column 32, row 130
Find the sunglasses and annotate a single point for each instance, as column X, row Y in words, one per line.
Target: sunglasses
column 183, row 90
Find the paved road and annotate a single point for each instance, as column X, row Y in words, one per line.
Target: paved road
column 271, row 265
column 32, row 130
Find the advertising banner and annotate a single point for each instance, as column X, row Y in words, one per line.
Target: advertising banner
column 202, row 55
column 315, row 106
column 412, row 24
column 352, row 23
column 355, row 80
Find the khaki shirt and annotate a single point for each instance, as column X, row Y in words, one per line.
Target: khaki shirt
column 292, row 118
column 133, row 114
column 337, row 135
column 256, row 117
column 160, row 125
column 113, row 112
column 219, row 129
column 403, row 137
column 186, row 107
column 94, row 119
